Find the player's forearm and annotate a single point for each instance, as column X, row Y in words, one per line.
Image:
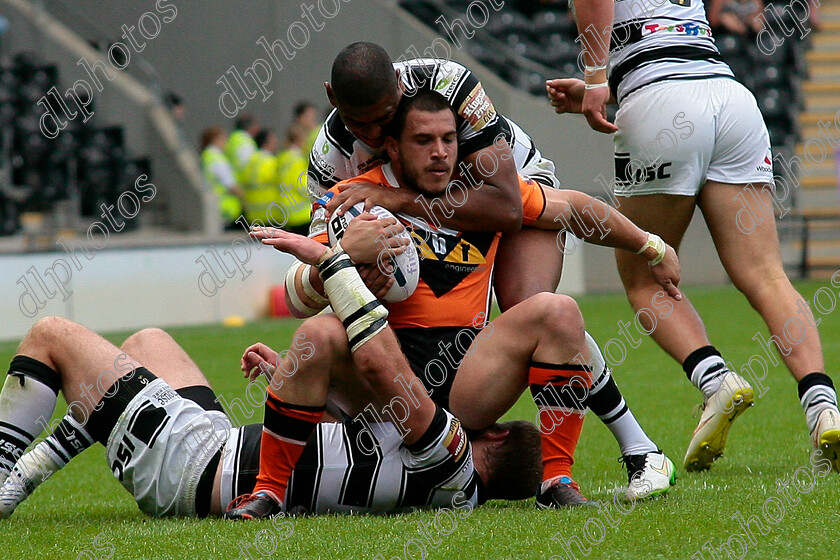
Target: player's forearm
column 590, row 219
column 486, row 209
column 300, row 299
column 594, row 23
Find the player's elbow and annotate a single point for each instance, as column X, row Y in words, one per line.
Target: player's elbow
column 510, row 220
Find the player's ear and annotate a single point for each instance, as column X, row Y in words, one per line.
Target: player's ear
column 392, row 148
column 330, row 94
column 496, row 435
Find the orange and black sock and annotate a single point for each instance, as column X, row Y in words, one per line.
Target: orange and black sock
column 286, row 429
column 559, row 391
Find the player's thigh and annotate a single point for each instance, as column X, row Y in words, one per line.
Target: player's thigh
column 668, row 216
column 160, row 354
column 743, row 227
column 494, row 371
column 528, row 262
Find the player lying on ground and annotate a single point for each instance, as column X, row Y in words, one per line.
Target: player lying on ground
column 454, row 299
column 356, row 351
column 173, row 448
column 702, row 142
column 365, row 89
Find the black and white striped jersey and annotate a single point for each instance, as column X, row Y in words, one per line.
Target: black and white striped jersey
column 342, row 470
column 655, row 40
column 337, row 155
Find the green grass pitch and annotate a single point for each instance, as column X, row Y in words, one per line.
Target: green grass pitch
column 83, row 512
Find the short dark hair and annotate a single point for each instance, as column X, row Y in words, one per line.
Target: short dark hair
column 262, row 137
column 515, row 465
column 362, row 73
column 424, row 100
column 245, row 121
column 301, row 107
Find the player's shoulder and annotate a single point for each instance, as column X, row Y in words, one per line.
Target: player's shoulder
column 443, row 76
column 334, row 141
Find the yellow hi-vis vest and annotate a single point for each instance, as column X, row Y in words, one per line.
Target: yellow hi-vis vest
column 291, row 173
column 261, row 189
column 229, row 205
column 239, row 143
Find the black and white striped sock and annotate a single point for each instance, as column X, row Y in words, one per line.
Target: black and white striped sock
column 50, row 455
column 816, row 393
column 606, row 400
column 706, row 369
column 27, row 401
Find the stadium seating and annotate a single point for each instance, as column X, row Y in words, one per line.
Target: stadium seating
column 85, row 162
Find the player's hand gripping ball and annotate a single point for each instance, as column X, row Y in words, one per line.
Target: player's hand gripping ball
column 405, row 266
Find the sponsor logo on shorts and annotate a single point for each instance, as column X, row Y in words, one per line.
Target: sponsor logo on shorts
column 630, row 171
column 477, row 108
column 766, row 167
column 163, row 396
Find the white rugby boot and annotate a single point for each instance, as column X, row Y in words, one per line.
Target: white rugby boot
column 648, row 475
column 734, row 396
column 826, row 437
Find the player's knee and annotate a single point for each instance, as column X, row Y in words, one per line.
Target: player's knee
column 50, row 329
column 759, row 286
column 557, row 312
column 325, row 333
column 151, row 337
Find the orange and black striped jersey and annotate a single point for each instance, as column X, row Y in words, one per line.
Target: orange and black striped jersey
column 456, row 268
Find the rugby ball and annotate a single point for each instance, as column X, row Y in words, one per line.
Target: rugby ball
column 406, row 267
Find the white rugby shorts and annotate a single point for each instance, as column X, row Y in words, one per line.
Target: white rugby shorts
column 675, row 135
column 160, row 447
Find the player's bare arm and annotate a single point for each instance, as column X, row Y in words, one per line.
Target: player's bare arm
column 600, row 224
column 363, row 242
column 494, row 202
column 594, row 22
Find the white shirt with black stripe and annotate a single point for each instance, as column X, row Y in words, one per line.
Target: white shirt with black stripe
column 651, row 43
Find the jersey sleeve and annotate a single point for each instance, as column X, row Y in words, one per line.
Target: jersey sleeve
column 330, row 157
column 477, row 120
column 442, row 457
column 321, row 173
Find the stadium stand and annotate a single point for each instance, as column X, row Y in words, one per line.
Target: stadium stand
column 85, row 165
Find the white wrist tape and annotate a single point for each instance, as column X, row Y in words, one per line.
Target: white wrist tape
column 362, row 314
column 592, row 69
column 656, row 242
column 310, row 290
column 297, row 303
column 597, row 86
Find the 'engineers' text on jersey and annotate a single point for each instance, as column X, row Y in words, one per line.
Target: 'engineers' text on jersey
column 655, row 40
column 456, row 268
column 337, row 155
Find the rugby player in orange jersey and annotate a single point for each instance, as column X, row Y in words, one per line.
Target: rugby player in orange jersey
column 365, row 89
column 539, row 343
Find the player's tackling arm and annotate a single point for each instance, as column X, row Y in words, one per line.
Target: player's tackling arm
column 476, row 199
column 600, row 224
